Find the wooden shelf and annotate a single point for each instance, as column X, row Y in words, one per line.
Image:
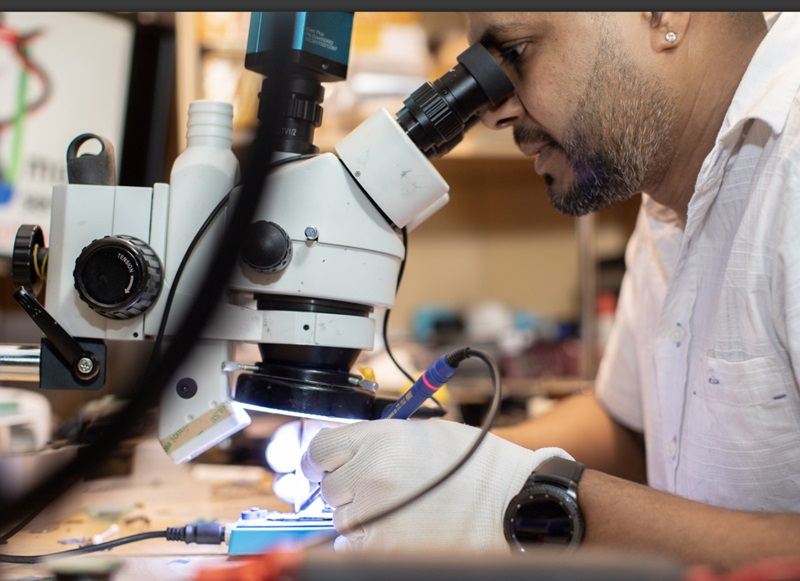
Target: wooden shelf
column 480, row 390
column 479, row 142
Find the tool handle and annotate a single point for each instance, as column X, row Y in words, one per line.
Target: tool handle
column 428, row 384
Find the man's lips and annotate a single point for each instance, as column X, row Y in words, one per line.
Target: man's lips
column 541, row 150
column 531, row 149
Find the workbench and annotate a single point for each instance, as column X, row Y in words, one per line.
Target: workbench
column 155, row 495
column 158, row 494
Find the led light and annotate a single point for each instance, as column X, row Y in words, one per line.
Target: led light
column 282, row 412
column 283, row 450
column 290, row 486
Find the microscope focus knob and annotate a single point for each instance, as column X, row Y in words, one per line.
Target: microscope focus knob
column 29, row 258
column 119, row 277
column 266, row 247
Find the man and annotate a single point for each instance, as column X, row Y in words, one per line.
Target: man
column 698, row 393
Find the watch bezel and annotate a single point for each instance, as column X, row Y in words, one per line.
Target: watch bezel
column 539, row 491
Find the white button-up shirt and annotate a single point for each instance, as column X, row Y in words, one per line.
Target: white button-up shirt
column 704, row 357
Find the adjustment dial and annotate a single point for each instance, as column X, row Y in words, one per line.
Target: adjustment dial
column 266, row 247
column 29, row 259
column 119, row 277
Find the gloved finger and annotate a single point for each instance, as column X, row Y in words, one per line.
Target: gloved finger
column 343, row 545
column 346, row 523
column 373, row 471
column 329, row 449
column 335, row 494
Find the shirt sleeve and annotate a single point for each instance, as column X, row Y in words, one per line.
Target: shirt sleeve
column 617, row 385
column 626, row 370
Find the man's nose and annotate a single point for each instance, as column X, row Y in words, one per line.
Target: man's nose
column 504, row 114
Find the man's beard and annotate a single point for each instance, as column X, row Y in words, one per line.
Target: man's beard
column 615, row 139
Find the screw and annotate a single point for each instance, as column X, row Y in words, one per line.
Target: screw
column 186, row 388
column 236, row 366
column 363, row 383
column 85, row 365
column 311, row 233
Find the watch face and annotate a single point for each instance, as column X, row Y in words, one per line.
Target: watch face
column 543, row 515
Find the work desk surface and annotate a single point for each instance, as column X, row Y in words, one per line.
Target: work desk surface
column 156, row 495
column 159, row 494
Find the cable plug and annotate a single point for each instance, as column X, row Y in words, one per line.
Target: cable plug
column 202, row 534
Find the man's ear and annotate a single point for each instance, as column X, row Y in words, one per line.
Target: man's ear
column 668, row 29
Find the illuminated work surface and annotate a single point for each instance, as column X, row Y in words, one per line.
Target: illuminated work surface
column 158, row 494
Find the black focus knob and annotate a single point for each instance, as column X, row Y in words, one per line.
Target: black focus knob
column 29, row 260
column 266, row 247
column 119, row 277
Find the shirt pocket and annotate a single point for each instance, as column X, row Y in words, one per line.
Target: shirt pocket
column 762, row 381
column 741, row 436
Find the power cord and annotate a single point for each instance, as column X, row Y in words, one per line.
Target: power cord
column 202, row 534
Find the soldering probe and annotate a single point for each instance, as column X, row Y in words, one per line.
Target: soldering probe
column 423, row 388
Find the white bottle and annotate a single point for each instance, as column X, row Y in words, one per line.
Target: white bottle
column 201, row 176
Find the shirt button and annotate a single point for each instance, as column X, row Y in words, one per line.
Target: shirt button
column 672, row 448
column 678, row 334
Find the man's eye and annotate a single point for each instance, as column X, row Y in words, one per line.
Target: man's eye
column 513, row 54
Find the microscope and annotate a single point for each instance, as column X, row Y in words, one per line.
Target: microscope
column 322, row 251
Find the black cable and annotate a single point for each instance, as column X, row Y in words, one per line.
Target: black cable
column 386, row 316
column 385, row 332
column 491, row 414
column 204, row 534
column 178, row 273
column 20, row 525
column 155, row 378
column 190, row 249
column 83, row 550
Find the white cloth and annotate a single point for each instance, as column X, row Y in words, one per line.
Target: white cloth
column 367, row 467
column 705, row 354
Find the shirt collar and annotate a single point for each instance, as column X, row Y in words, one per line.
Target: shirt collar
column 771, row 80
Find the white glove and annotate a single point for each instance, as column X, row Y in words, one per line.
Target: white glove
column 367, row 467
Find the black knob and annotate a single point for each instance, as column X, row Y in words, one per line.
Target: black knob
column 266, row 247
column 119, row 276
column 29, row 261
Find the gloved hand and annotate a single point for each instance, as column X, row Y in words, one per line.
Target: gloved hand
column 367, row 467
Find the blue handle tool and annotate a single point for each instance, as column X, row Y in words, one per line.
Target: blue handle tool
column 428, row 384
column 424, row 387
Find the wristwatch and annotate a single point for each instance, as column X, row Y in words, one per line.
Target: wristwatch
column 546, row 512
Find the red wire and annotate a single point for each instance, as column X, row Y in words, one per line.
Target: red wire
column 20, row 42
column 8, row 34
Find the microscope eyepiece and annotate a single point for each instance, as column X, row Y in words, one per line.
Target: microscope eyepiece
column 438, row 113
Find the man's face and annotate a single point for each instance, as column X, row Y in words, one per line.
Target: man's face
column 596, row 119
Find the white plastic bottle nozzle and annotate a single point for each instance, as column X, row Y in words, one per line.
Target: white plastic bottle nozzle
column 201, row 176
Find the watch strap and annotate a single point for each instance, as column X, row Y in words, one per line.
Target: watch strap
column 560, row 471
